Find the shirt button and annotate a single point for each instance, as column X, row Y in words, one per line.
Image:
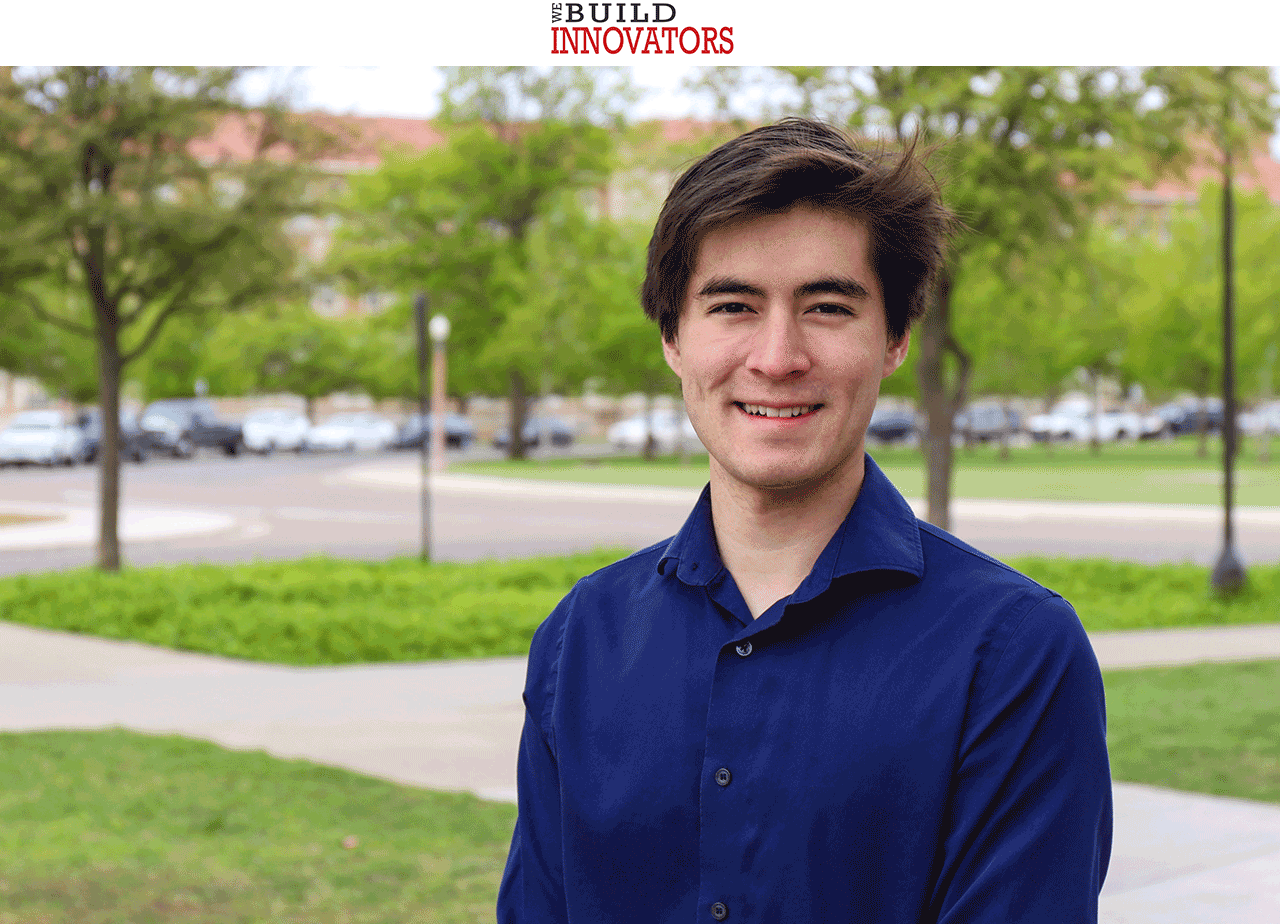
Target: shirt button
column 694, row 566
column 719, row 911
column 723, row 776
column 744, row 649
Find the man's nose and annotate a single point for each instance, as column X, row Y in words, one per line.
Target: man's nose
column 779, row 348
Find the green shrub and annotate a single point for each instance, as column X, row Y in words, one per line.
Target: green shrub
column 329, row 611
column 314, row 611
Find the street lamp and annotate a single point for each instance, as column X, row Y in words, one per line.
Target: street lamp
column 439, row 331
column 1228, row 574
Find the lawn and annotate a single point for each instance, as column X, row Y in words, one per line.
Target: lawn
column 1211, row 728
column 1158, row 472
column 106, row 826
column 330, row 611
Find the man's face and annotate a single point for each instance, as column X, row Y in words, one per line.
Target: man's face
column 781, row 347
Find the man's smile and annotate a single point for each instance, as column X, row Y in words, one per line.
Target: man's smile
column 764, row 410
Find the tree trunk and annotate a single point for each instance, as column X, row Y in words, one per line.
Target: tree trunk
column 940, row 403
column 650, row 442
column 109, row 370
column 1202, row 428
column 107, row 326
column 518, row 395
column 1004, row 431
column 1095, row 432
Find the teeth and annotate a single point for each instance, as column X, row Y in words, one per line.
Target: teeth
column 759, row 410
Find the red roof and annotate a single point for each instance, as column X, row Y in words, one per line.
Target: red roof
column 365, row 139
column 1261, row 171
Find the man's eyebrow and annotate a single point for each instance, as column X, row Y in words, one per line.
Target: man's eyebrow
column 834, row 285
column 729, row 285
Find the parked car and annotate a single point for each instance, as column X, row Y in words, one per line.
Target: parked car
column 459, row 432
column 539, row 431
column 1268, row 417
column 1184, row 416
column 266, row 431
column 632, row 433
column 891, row 425
column 41, row 437
column 984, row 422
column 178, row 426
column 135, row 444
column 351, row 431
column 1073, row 419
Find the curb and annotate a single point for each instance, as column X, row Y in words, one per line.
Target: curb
column 78, row 526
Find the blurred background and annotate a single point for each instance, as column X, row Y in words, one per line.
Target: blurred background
column 226, row 261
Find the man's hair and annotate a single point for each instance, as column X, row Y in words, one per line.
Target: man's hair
column 803, row 162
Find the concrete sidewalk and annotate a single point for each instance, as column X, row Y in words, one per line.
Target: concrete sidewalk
column 1178, row 857
column 72, row 525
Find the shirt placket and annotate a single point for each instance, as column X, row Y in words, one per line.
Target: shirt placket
column 729, row 832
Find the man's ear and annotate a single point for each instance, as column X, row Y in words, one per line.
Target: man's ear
column 671, row 353
column 894, row 354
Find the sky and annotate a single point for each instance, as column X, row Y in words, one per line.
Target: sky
column 411, row 91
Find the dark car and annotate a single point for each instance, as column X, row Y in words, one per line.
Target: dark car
column 539, row 431
column 179, row 425
column 892, row 426
column 134, row 441
column 1184, row 417
column 459, row 433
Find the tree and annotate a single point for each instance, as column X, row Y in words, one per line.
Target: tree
column 1030, row 155
column 1233, row 106
column 463, row 221
column 125, row 194
column 290, row 349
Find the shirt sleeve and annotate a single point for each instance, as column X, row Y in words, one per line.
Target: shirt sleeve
column 1030, row 832
column 532, row 889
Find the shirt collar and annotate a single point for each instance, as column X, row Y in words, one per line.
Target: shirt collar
column 880, row 533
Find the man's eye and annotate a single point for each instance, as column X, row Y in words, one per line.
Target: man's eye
column 827, row 308
column 729, row 308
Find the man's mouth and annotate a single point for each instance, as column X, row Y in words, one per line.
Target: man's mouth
column 761, row 410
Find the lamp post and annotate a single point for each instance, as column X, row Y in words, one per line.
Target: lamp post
column 420, row 327
column 439, row 330
column 1228, row 574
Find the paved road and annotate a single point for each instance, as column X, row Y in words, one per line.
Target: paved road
column 367, row 507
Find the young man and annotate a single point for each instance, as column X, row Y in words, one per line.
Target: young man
column 807, row 705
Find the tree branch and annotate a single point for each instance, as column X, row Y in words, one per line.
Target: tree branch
column 63, row 323
column 175, row 305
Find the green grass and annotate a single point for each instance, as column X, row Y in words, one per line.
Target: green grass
column 314, row 611
column 1212, row 728
column 106, row 827
column 1155, row 472
column 329, row 611
column 1110, row 595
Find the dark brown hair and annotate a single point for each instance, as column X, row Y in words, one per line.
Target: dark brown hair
column 803, row 162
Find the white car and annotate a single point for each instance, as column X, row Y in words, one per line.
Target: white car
column 267, row 431
column 361, row 430
column 43, row 437
column 632, row 433
column 1073, row 419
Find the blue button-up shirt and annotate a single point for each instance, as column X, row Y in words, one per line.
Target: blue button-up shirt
column 916, row 734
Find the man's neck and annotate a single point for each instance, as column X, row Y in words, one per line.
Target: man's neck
column 770, row 539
